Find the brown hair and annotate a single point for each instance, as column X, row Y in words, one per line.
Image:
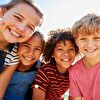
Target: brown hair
column 29, row 2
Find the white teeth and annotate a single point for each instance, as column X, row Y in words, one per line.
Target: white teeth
column 65, row 60
column 90, row 51
column 14, row 33
column 28, row 58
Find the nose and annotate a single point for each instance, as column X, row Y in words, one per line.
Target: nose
column 21, row 27
column 66, row 53
column 30, row 52
column 90, row 43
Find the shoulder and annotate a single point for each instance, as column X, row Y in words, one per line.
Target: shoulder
column 12, row 50
column 47, row 69
column 77, row 65
column 15, row 49
column 12, row 56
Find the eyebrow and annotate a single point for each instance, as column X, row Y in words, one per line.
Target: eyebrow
column 23, row 17
column 26, row 43
column 39, row 46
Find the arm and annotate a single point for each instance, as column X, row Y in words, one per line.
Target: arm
column 74, row 98
column 40, row 85
column 74, row 91
column 38, row 94
column 5, row 77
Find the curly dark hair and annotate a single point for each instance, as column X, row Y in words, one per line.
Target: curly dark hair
column 55, row 37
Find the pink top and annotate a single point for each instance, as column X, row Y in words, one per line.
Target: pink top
column 85, row 81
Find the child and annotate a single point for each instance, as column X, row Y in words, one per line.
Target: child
column 52, row 80
column 18, row 21
column 85, row 74
column 29, row 53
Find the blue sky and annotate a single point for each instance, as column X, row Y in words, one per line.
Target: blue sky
column 63, row 13
column 4, row 1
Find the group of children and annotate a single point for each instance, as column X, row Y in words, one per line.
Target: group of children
column 19, row 18
column 24, row 77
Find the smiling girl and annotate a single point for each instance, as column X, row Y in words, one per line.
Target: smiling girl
column 17, row 24
column 52, row 80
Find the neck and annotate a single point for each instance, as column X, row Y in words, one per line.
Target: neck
column 61, row 70
column 23, row 68
column 90, row 62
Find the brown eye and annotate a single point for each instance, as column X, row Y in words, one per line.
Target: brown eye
column 38, row 49
column 30, row 28
column 17, row 18
column 82, row 39
column 25, row 45
column 97, row 38
column 72, row 49
column 59, row 49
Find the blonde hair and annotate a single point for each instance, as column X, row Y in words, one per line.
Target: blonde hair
column 89, row 24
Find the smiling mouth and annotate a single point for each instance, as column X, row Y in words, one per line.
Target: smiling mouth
column 90, row 51
column 65, row 60
column 14, row 33
column 28, row 58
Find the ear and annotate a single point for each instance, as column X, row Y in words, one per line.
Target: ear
column 2, row 11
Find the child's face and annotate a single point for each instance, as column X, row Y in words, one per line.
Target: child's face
column 89, row 45
column 64, row 54
column 18, row 23
column 30, row 51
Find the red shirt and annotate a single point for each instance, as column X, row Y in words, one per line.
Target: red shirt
column 52, row 82
column 85, row 82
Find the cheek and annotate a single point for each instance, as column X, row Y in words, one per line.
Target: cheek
column 73, row 55
column 8, row 18
column 20, row 53
column 80, row 45
column 80, row 48
column 78, row 42
column 57, row 58
column 38, row 54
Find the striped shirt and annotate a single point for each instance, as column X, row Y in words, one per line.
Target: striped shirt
column 12, row 57
column 52, row 82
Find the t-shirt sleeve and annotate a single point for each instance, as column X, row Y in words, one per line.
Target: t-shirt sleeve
column 74, row 87
column 12, row 57
column 41, row 80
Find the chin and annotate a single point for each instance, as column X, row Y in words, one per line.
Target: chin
column 26, row 64
column 12, row 41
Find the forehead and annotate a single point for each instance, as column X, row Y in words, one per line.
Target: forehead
column 87, row 30
column 27, row 11
column 64, row 43
column 35, row 40
column 89, row 35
